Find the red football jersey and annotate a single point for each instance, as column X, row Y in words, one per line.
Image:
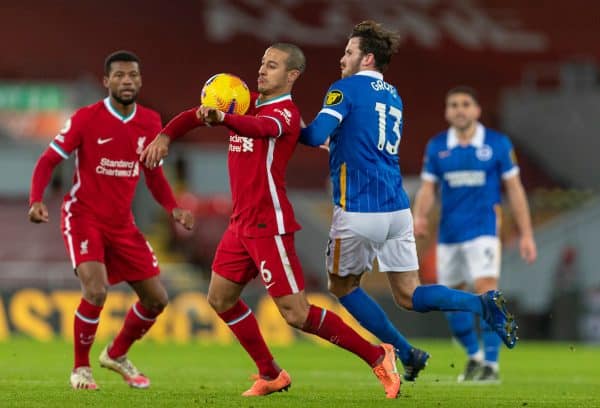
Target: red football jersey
column 257, row 169
column 107, row 149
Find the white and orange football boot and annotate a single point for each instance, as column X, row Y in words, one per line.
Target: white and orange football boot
column 123, row 366
column 81, row 379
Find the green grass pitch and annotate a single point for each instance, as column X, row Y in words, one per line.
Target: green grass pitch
column 534, row 374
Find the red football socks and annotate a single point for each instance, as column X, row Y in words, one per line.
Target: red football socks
column 86, row 321
column 137, row 322
column 329, row 326
column 243, row 324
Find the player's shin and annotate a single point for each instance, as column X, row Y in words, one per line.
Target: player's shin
column 243, row 324
column 87, row 317
column 462, row 326
column 329, row 326
column 137, row 322
column 372, row 317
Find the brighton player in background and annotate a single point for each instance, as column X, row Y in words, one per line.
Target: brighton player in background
column 470, row 163
column 361, row 120
column 260, row 238
column 98, row 227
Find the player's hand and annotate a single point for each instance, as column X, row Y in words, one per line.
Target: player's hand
column 325, row 145
column 38, row 213
column 210, row 116
column 421, row 227
column 528, row 249
column 183, row 217
column 155, row 151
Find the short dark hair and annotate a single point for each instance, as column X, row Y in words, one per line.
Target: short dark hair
column 295, row 59
column 463, row 89
column 121, row 56
column 376, row 40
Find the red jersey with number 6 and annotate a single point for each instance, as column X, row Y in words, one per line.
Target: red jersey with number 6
column 257, row 169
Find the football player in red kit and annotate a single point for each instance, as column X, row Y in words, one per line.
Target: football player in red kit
column 260, row 238
column 99, row 231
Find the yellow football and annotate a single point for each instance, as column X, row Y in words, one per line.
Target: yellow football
column 226, row 92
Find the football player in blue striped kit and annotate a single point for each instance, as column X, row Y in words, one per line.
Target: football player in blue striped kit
column 470, row 163
column 361, row 120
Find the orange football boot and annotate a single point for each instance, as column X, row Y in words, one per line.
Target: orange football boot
column 387, row 373
column 265, row 387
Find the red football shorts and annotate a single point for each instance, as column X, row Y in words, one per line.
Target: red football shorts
column 123, row 249
column 241, row 259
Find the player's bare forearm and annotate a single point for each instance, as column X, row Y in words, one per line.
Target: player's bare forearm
column 520, row 209
column 38, row 213
column 424, row 200
column 519, row 205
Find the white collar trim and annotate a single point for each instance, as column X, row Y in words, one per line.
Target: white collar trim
column 476, row 141
column 116, row 114
column 374, row 74
column 285, row 97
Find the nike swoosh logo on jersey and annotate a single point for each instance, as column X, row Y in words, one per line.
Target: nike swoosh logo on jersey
column 269, row 285
column 102, row 141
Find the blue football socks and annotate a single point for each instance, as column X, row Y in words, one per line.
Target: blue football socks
column 372, row 317
column 491, row 342
column 438, row 297
column 462, row 326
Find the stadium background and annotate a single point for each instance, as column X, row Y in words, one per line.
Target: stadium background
column 533, row 63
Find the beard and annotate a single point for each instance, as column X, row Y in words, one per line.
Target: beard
column 123, row 101
column 350, row 69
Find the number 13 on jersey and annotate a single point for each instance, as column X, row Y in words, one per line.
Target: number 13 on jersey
column 396, row 116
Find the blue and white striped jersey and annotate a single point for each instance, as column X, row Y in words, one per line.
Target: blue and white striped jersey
column 362, row 114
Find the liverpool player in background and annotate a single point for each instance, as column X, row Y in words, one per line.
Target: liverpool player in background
column 99, row 231
column 260, row 237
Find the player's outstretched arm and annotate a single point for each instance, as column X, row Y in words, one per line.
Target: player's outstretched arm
column 317, row 133
column 42, row 172
column 177, row 127
column 256, row 127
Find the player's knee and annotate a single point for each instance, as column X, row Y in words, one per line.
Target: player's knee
column 295, row 317
column 340, row 287
column 219, row 303
column 157, row 305
column 335, row 290
column 403, row 299
column 95, row 295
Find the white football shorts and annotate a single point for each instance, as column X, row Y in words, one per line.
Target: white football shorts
column 356, row 239
column 467, row 261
